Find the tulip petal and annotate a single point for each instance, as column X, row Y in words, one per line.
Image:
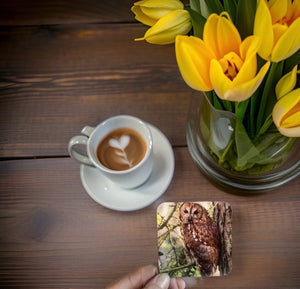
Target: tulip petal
column 248, row 53
column 249, row 46
column 278, row 31
column 296, row 9
column 165, row 30
column 221, row 35
column 286, row 114
column 193, row 59
column 141, row 17
column 288, row 43
column 247, row 71
column 290, row 121
column 239, row 92
column 164, row 4
column 158, row 8
column 286, row 83
column 290, row 132
column 155, row 13
column 263, row 29
column 150, row 11
column 278, row 9
column 220, row 82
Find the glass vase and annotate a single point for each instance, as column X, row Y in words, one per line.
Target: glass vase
column 218, row 142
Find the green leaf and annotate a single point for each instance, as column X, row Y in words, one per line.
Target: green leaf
column 216, row 127
column 204, row 10
column 195, row 5
column 216, row 102
column 241, row 108
column 231, row 7
column 268, row 97
column 211, row 6
column 209, row 95
column 231, row 146
column 245, row 17
column 291, row 62
column 198, row 22
column 227, row 105
column 254, row 102
column 244, row 146
column 265, row 126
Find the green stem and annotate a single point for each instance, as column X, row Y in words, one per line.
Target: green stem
column 240, row 109
column 216, row 102
column 222, row 158
column 209, row 96
column 177, row 268
column 253, row 111
column 264, row 127
column 268, row 92
column 227, row 105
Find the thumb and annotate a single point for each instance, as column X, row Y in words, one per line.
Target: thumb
column 161, row 281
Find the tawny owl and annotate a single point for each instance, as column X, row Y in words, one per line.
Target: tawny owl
column 200, row 235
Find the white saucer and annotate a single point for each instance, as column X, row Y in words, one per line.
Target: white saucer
column 109, row 195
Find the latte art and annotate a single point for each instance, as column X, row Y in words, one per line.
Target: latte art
column 121, row 155
column 121, row 149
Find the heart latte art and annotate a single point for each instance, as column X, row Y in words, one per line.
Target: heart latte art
column 121, row 149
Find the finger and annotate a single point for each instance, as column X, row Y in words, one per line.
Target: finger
column 136, row 279
column 161, row 281
column 180, row 283
column 177, row 283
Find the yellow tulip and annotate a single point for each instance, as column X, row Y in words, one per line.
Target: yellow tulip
column 150, row 11
column 286, row 114
column 277, row 24
column 193, row 58
column 286, row 83
column 221, row 61
column 165, row 30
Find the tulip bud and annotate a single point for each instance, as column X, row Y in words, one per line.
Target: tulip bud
column 150, row 11
column 177, row 22
column 286, row 114
column 286, row 83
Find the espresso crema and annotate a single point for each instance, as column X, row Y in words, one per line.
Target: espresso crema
column 121, row 149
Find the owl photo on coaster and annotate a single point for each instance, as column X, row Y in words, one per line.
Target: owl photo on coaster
column 194, row 238
column 200, row 236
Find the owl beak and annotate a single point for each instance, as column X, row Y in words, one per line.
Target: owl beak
column 190, row 218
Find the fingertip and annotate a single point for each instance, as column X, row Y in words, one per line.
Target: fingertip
column 160, row 281
column 151, row 269
column 177, row 283
column 148, row 272
column 180, row 283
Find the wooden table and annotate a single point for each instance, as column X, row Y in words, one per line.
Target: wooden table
column 66, row 64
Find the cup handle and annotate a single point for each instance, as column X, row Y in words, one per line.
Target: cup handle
column 80, row 140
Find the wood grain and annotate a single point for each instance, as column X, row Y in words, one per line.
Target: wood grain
column 54, row 236
column 66, row 64
column 55, row 80
column 34, row 12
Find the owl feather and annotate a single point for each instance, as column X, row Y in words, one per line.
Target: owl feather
column 200, row 236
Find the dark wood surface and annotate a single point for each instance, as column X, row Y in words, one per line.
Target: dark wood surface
column 67, row 64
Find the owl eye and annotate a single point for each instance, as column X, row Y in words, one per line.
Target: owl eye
column 185, row 211
column 196, row 212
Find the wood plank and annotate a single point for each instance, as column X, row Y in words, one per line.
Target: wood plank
column 34, row 12
column 54, row 236
column 56, row 79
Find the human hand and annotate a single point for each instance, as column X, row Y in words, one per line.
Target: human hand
column 147, row 277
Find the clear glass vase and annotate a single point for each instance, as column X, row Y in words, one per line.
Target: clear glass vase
column 220, row 145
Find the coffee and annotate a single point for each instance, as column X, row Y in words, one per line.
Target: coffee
column 121, row 149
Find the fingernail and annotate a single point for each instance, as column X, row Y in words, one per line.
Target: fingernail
column 162, row 280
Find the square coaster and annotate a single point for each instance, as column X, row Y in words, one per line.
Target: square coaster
column 194, row 238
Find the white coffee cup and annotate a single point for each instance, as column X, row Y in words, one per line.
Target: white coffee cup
column 128, row 178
